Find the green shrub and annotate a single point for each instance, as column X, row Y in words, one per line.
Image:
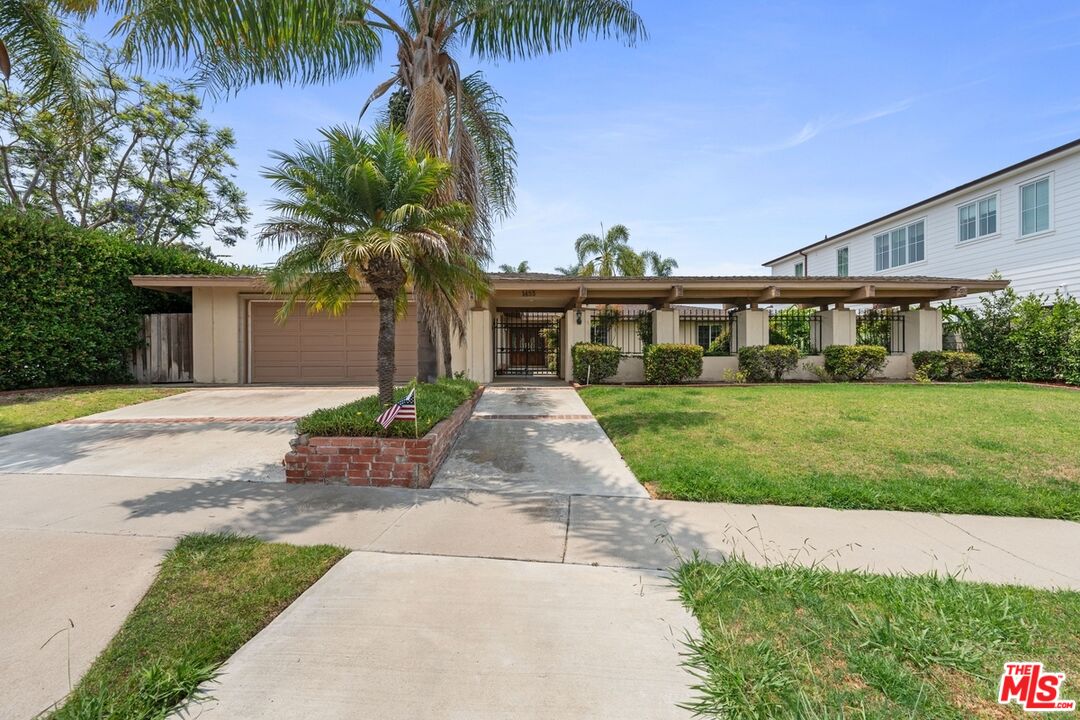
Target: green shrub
column 68, row 313
column 434, row 402
column 854, row 362
column 763, row 363
column 944, row 365
column 594, row 362
column 672, row 363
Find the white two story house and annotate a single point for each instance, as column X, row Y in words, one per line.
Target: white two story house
column 1022, row 221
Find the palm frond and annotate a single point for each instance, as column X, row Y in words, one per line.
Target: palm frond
column 243, row 42
column 42, row 58
column 513, row 29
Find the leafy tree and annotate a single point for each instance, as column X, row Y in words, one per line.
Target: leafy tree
column 141, row 159
column 358, row 210
column 659, row 266
column 521, row 267
column 454, row 116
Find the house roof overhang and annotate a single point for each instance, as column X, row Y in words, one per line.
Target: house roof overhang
column 532, row 291
column 537, row 291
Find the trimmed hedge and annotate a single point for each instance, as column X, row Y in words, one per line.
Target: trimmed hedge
column 603, row 359
column 68, row 313
column 854, row 362
column 762, row 363
column 672, row 363
column 434, row 402
column 945, row 365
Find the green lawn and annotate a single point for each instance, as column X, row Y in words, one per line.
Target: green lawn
column 985, row 448
column 28, row 409
column 803, row 643
column 212, row 594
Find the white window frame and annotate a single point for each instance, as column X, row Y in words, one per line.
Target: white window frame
column 800, row 269
column 847, row 261
column 976, row 201
column 1049, row 177
column 906, row 226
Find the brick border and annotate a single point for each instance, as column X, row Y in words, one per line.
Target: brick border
column 376, row 461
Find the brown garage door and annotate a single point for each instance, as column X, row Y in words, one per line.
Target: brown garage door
column 324, row 349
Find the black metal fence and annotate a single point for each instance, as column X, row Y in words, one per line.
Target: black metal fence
column 527, row 343
column 880, row 327
column 630, row 331
column 714, row 329
column 798, row 327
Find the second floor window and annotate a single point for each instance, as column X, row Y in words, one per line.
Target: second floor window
column 1035, row 207
column 978, row 219
column 900, row 246
column 800, row 269
column 842, row 262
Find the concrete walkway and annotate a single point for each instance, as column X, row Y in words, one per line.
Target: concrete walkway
column 404, row 637
column 221, row 434
column 536, row 440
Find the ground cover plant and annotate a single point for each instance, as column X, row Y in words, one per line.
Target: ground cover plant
column 788, row 642
column 984, row 448
column 29, row 409
column 212, row 594
column 434, row 402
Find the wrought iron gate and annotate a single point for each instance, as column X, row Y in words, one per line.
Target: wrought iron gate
column 527, row 343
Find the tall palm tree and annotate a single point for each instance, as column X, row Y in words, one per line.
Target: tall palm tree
column 659, row 266
column 358, row 210
column 521, row 267
column 608, row 255
column 451, row 115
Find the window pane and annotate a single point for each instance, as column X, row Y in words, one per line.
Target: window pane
column 1042, row 218
column 1027, row 197
column 898, row 245
column 1042, row 192
column 798, row 269
column 881, row 252
column 842, row 262
column 916, row 251
column 988, row 216
column 1027, row 222
column 967, row 222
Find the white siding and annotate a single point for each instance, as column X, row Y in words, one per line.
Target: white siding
column 1042, row 263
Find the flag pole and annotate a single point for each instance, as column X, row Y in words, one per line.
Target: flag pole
column 416, row 408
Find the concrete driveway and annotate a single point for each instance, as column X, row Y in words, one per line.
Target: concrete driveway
column 239, row 433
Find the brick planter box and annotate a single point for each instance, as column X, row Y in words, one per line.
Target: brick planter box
column 376, row 461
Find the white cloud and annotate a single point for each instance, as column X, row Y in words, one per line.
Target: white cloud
column 815, row 127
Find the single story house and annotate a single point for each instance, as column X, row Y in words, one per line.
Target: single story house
column 531, row 320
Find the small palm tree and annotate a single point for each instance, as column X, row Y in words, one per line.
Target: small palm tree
column 521, row 267
column 609, row 255
column 358, row 210
column 573, row 270
column 659, row 266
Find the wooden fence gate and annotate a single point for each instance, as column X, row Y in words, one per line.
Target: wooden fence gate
column 164, row 353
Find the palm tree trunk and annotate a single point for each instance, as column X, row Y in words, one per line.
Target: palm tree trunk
column 427, row 358
column 386, row 367
column 445, row 342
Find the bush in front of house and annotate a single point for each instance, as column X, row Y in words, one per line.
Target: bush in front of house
column 1031, row 338
column 944, row 365
column 434, row 402
column 764, row 363
column 69, row 315
column 594, row 362
column 845, row 363
column 672, row 363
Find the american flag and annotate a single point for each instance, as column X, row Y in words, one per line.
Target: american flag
column 404, row 409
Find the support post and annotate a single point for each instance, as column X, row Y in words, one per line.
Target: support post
column 837, row 327
column 665, row 326
column 752, row 327
column 481, row 355
column 922, row 330
column 574, row 331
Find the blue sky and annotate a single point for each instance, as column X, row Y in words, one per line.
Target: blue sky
column 739, row 131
